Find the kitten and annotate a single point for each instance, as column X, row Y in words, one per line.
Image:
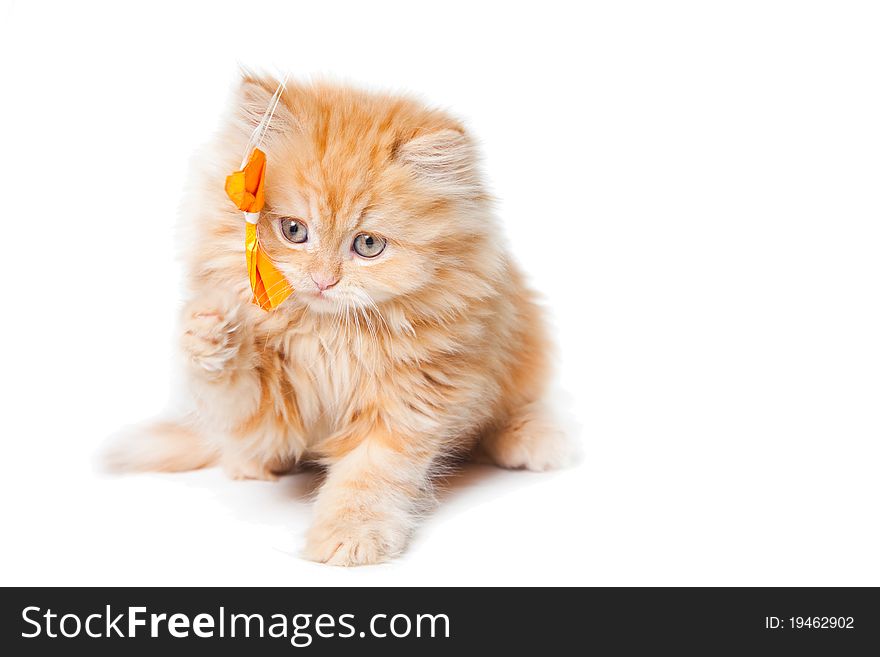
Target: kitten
column 410, row 337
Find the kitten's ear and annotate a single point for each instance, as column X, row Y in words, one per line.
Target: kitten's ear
column 252, row 99
column 446, row 159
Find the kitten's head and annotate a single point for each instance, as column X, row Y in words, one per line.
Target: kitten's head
column 370, row 199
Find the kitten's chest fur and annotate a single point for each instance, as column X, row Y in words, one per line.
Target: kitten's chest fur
column 331, row 373
column 324, row 377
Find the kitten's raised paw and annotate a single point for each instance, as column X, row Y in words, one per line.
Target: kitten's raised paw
column 352, row 543
column 211, row 334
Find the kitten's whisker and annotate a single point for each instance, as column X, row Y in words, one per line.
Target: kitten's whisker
column 368, row 320
column 390, row 338
column 373, row 333
column 358, row 335
column 267, row 292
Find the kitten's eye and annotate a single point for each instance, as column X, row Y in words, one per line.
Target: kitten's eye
column 368, row 246
column 294, row 231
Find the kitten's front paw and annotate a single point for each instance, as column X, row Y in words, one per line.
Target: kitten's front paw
column 211, row 333
column 354, row 543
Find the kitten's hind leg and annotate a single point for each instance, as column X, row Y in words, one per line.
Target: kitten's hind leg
column 530, row 440
column 161, row 447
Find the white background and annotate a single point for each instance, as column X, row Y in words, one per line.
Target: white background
column 693, row 187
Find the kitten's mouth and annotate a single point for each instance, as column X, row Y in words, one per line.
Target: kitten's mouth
column 321, row 301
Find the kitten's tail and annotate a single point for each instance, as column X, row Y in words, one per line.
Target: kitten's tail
column 161, row 447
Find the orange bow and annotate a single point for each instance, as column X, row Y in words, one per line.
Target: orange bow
column 245, row 189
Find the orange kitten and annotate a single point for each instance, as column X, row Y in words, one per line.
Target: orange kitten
column 410, row 337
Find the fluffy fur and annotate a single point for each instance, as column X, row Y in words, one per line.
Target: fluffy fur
column 433, row 349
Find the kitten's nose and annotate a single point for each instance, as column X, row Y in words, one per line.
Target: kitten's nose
column 324, row 280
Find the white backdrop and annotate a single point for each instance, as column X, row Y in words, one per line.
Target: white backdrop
column 693, row 186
